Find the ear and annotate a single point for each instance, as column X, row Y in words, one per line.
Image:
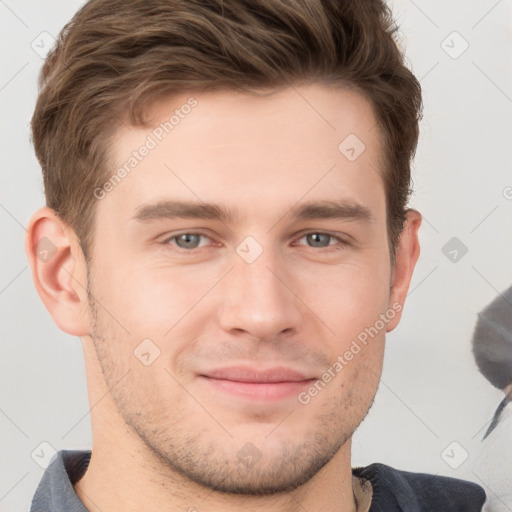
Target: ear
column 407, row 253
column 58, row 270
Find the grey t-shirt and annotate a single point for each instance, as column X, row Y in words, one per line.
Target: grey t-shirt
column 392, row 490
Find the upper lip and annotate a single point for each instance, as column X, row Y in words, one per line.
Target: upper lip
column 249, row 374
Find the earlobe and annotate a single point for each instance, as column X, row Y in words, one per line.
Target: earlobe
column 407, row 253
column 58, row 270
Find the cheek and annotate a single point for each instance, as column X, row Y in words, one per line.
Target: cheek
column 148, row 301
column 354, row 306
column 347, row 298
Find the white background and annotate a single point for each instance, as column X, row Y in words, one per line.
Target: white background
column 431, row 392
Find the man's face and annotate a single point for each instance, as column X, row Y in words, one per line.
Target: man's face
column 246, row 313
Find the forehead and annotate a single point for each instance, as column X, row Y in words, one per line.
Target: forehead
column 232, row 119
column 246, row 150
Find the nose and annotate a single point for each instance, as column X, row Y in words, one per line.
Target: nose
column 258, row 298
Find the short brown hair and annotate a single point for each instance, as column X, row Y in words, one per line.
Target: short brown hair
column 115, row 57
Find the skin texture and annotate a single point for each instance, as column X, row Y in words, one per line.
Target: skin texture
column 164, row 436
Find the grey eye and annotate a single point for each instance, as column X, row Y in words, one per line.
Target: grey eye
column 318, row 239
column 188, row 240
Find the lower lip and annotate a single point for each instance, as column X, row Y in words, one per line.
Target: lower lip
column 267, row 391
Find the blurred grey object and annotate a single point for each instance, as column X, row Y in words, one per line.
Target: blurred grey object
column 492, row 340
column 492, row 349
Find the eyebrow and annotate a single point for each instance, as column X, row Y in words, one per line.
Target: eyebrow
column 342, row 210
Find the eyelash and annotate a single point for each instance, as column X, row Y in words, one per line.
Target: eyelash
column 328, row 248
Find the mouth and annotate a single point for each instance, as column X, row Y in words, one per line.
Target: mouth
column 271, row 384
